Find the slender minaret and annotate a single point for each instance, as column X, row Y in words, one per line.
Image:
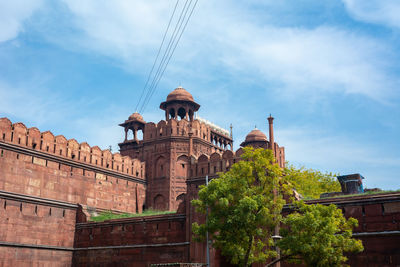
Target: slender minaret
column 231, row 137
column 271, row 133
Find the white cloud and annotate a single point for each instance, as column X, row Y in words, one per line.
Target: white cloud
column 13, row 14
column 298, row 61
column 314, row 61
column 384, row 12
column 126, row 30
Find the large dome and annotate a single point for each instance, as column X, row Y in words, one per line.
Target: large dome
column 180, row 94
column 256, row 136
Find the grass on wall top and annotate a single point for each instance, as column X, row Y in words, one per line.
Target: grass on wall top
column 108, row 215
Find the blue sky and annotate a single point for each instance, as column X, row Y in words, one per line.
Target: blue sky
column 328, row 71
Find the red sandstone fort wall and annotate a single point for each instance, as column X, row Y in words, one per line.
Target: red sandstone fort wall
column 39, row 164
column 35, row 230
column 132, row 242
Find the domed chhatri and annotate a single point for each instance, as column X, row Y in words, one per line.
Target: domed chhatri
column 179, row 104
column 134, row 123
column 180, row 94
column 256, row 136
column 135, row 116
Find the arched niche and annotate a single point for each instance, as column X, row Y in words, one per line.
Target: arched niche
column 182, row 166
column 159, row 202
column 180, row 203
column 215, row 157
column 161, row 168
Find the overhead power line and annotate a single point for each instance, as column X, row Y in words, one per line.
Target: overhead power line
column 158, row 53
column 157, row 80
column 166, row 52
column 174, row 39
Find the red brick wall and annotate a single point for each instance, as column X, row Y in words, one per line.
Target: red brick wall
column 34, row 176
column 99, row 179
column 132, row 242
column 37, row 225
column 21, row 257
column 28, row 223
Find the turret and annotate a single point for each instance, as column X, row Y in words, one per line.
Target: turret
column 179, row 104
column 134, row 123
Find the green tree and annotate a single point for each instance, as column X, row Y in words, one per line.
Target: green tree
column 244, row 206
column 311, row 183
column 243, row 210
column 318, row 235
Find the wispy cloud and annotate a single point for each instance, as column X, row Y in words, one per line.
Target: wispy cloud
column 316, row 62
column 13, row 14
column 384, row 12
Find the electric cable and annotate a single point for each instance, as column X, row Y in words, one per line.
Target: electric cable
column 176, row 44
column 165, row 55
column 157, row 79
column 158, row 53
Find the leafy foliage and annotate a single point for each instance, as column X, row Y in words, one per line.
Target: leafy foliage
column 311, row 183
column 243, row 211
column 319, row 235
column 244, row 206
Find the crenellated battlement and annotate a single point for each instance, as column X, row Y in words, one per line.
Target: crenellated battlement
column 59, row 146
column 183, row 128
column 39, row 164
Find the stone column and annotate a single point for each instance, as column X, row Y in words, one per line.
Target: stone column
column 126, row 134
